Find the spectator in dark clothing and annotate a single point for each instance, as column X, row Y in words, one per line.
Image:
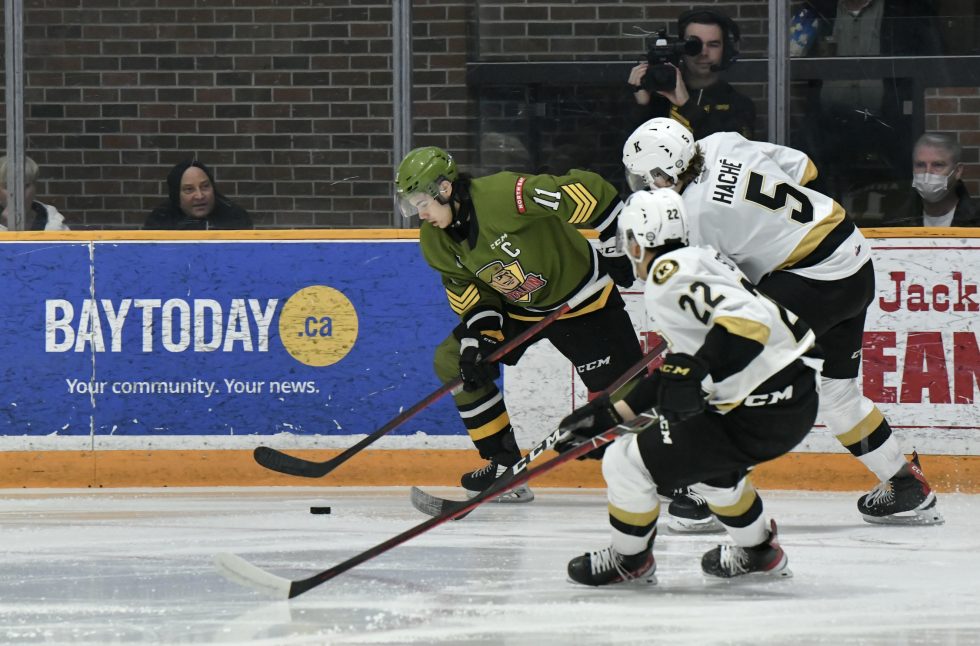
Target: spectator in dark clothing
column 701, row 100
column 196, row 203
column 940, row 198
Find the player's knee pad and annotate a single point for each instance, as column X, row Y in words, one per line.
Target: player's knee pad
column 842, row 406
column 446, row 360
column 629, row 484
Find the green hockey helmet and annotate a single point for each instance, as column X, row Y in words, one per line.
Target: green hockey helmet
column 422, row 170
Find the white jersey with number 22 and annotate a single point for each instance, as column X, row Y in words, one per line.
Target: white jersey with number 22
column 690, row 290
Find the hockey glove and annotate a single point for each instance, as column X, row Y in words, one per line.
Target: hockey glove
column 586, row 422
column 616, row 264
column 679, row 392
column 474, row 348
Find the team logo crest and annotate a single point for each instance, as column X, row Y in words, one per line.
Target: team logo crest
column 511, row 281
column 664, row 270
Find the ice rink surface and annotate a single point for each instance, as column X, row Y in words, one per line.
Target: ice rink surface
column 134, row 566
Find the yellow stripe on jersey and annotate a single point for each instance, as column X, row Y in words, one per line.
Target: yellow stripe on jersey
column 492, row 427
column 741, row 506
column 593, row 306
column 863, row 429
column 746, row 328
column 462, row 302
column 585, row 202
column 636, row 519
column 814, row 237
column 809, row 173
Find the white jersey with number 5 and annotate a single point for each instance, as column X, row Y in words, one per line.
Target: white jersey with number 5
column 692, row 289
column 751, row 204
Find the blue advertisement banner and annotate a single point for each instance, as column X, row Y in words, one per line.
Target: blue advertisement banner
column 219, row 338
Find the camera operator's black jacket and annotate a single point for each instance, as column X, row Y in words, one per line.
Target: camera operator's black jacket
column 716, row 108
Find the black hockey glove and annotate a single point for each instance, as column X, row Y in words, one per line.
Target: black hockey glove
column 474, row 348
column 679, row 392
column 586, row 422
column 616, row 264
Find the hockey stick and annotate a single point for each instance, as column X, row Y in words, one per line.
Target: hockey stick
column 436, row 506
column 291, row 465
column 244, row 573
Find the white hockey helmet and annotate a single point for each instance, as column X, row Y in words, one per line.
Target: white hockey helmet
column 651, row 219
column 660, row 147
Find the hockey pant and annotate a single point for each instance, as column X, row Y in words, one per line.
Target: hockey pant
column 712, row 451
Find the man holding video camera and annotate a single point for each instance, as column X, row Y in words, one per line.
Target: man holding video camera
column 682, row 77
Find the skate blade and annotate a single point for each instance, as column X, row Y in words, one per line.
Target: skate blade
column 710, row 526
column 521, row 494
column 926, row 514
column 920, row 517
column 640, row 581
column 756, row 577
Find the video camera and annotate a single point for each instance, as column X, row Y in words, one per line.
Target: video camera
column 662, row 54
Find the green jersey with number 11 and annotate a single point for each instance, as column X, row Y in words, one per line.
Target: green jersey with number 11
column 524, row 253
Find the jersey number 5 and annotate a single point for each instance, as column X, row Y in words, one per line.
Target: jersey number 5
column 780, row 195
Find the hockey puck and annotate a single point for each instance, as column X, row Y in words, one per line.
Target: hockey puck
column 319, row 510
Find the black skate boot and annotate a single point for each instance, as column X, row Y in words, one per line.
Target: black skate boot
column 689, row 514
column 477, row 481
column 729, row 561
column 902, row 500
column 609, row 566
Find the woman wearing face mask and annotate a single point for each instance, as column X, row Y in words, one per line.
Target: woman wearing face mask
column 940, row 198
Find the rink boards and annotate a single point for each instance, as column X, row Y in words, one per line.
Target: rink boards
column 147, row 358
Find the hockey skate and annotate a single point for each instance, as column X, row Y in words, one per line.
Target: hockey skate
column 729, row 561
column 689, row 514
column 902, row 500
column 477, row 481
column 608, row 566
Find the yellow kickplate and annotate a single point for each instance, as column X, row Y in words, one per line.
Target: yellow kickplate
column 33, row 469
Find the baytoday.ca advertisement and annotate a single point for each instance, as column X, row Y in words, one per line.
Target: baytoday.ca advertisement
column 229, row 344
column 151, row 344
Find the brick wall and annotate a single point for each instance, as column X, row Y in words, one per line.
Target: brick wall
column 956, row 111
column 596, row 30
column 552, row 128
column 290, row 101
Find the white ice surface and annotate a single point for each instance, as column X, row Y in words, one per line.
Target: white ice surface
column 135, row 566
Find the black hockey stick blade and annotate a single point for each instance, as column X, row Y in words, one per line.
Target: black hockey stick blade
column 427, row 504
column 290, row 464
column 244, row 573
column 433, row 505
column 436, row 506
column 295, row 466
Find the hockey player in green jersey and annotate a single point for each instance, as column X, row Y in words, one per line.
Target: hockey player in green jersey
column 508, row 250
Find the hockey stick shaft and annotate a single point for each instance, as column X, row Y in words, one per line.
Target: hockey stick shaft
column 289, row 464
column 521, row 476
column 434, row 506
column 243, row 572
